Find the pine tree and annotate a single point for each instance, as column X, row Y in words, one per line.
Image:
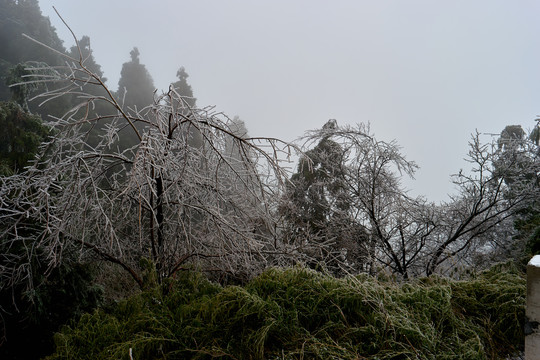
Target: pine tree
column 184, row 105
column 18, row 18
column 135, row 92
column 135, row 87
column 183, row 88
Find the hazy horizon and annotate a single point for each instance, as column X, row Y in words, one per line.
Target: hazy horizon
column 426, row 74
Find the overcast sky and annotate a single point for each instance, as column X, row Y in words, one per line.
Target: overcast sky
column 425, row 73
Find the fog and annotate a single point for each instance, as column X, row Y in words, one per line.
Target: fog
column 424, row 73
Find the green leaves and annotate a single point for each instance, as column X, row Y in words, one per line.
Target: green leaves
column 21, row 135
column 298, row 313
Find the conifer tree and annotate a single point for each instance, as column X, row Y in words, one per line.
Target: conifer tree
column 135, row 92
column 183, row 88
column 135, row 87
column 18, row 18
column 184, row 103
column 20, row 137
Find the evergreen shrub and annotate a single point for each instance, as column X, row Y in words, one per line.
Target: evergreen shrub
column 298, row 313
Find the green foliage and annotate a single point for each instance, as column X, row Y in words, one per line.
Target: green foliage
column 301, row 314
column 24, row 17
column 20, row 93
column 312, row 186
column 493, row 303
column 319, row 206
column 31, row 317
column 21, row 135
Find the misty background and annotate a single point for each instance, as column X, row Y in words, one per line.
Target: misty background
column 109, row 202
column 424, row 73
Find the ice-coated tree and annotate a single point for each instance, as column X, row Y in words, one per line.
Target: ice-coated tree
column 478, row 219
column 184, row 94
column 163, row 201
column 318, row 206
column 517, row 147
column 356, row 179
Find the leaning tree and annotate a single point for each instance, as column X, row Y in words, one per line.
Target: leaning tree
column 168, row 201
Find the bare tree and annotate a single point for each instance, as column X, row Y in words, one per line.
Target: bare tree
column 502, row 181
column 409, row 236
column 167, row 199
column 398, row 226
column 355, row 200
